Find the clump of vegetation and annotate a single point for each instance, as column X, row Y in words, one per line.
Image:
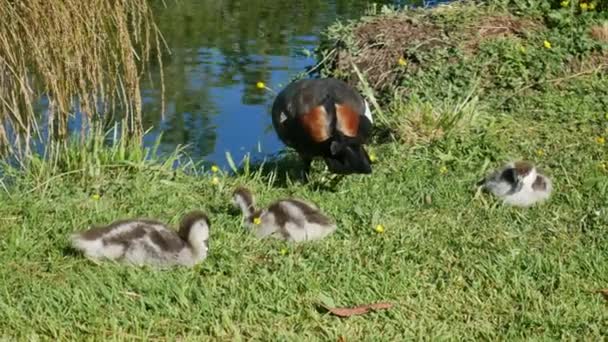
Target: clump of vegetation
column 429, row 122
column 71, row 56
column 600, row 32
column 503, row 50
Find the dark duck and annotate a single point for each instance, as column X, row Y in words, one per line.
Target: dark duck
column 324, row 118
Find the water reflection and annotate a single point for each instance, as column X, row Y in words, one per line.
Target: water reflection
column 220, row 49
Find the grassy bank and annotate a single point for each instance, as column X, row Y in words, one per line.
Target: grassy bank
column 455, row 264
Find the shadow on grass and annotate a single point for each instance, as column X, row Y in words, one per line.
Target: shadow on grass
column 383, row 134
column 283, row 170
column 69, row 251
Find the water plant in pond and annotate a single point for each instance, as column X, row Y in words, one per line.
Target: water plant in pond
column 70, row 57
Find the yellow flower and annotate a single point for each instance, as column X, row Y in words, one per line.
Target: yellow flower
column 257, row 220
column 584, row 6
column 372, row 157
column 402, row 61
column 214, row 169
column 565, row 3
column 215, row 180
column 260, row 85
column 540, row 152
column 283, row 251
column 547, row 44
column 592, row 6
column 443, row 170
column 96, row 197
column 522, row 49
column 379, row 229
column 600, row 140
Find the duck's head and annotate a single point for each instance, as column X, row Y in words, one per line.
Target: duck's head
column 348, row 157
column 194, row 228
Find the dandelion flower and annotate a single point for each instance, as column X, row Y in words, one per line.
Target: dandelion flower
column 547, row 44
column 379, row 229
column 600, row 140
column 372, row 157
column 214, row 169
column 402, row 61
column 96, row 197
column 592, row 6
column 260, row 85
column 283, row 251
column 257, row 220
column 443, row 170
column 540, row 152
column 215, row 180
column 584, row 6
column 565, row 3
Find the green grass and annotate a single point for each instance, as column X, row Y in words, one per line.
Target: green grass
column 455, row 265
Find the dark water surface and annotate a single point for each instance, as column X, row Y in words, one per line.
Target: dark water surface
column 219, row 50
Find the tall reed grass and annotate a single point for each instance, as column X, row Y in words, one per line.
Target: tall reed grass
column 70, row 56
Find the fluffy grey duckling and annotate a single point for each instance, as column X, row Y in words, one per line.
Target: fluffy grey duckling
column 148, row 242
column 287, row 219
column 519, row 184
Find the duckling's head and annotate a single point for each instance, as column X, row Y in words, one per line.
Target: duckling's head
column 194, row 228
column 524, row 172
column 243, row 199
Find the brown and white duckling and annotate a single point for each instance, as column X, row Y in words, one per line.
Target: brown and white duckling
column 286, row 219
column 519, row 184
column 148, row 242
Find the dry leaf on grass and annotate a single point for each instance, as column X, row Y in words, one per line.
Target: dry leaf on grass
column 358, row 310
column 604, row 293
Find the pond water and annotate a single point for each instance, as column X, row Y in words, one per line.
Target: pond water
column 219, row 50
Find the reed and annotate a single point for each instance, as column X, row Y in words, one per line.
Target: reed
column 60, row 58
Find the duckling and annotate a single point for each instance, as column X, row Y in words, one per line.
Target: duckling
column 287, row 219
column 324, row 118
column 147, row 242
column 519, row 184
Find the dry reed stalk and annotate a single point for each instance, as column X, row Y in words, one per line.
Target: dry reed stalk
column 85, row 56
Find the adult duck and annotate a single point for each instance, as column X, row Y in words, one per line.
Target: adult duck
column 324, row 118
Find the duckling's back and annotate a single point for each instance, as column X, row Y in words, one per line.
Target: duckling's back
column 303, row 221
column 133, row 241
column 108, row 241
